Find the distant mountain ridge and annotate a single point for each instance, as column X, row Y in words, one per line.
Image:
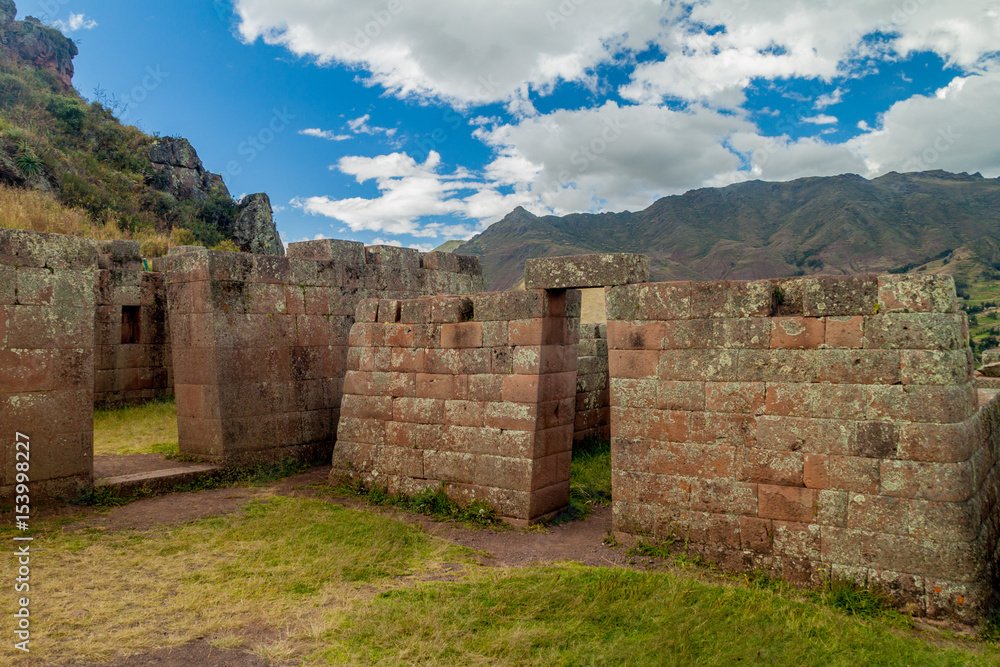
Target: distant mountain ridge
column 833, row 225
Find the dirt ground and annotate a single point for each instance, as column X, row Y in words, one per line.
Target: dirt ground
column 581, row 541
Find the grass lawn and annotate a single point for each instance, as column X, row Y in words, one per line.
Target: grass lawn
column 145, row 429
column 302, row 579
column 339, row 586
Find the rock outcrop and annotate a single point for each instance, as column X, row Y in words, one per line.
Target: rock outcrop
column 254, row 230
column 184, row 176
column 36, row 45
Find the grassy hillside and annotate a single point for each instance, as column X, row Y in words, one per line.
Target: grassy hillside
column 837, row 225
column 94, row 173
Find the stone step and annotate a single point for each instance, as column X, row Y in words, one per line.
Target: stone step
column 157, row 480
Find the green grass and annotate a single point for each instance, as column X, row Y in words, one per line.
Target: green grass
column 303, row 580
column 574, row 615
column 432, row 502
column 589, row 482
column 150, row 428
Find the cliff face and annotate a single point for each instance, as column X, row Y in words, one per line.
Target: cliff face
column 36, row 45
column 183, row 175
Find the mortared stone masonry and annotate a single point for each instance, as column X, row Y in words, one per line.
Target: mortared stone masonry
column 809, row 428
column 260, row 343
column 476, row 393
column 46, row 362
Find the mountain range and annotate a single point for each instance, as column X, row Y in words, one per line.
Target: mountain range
column 826, row 225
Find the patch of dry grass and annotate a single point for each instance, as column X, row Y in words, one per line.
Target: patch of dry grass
column 288, row 567
column 150, row 428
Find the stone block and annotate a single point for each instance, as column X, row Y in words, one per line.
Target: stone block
column 585, row 271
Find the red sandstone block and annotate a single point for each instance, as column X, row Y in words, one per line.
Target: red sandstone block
column 557, row 386
column 415, row 311
column 917, row 293
column 546, row 442
column 388, row 311
column 936, row 367
column 947, row 522
column 364, row 334
column 742, row 333
column 450, row 467
column 823, row 401
column 398, row 335
column 777, row 366
column 636, row 335
column 496, row 334
column 851, row 473
column 367, row 407
column 941, row 443
column 485, row 387
column 511, row 416
column 798, row 333
column 552, row 414
column 692, row 460
column 458, row 438
column 451, row 309
column 735, row 397
column 723, row 429
column 724, row 496
column 732, row 299
column 756, row 534
column 548, row 500
column 787, row 503
column 665, row 426
column 879, row 514
column 427, row 436
column 697, row 365
column 380, row 384
column 954, row 561
column 939, row 482
column 527, row 332
column 857, row 366
column 426, row 336
column 762, row 466
column 195, row 366
column 634, row 363
column 679, row 395
column 27, row 370
column 687, row 335
column 364, row 431
column 463, row 413
column 631, row 393
column 798, row 434
column 656, row 301
column 463, row 335
column 505, row 306
column 916, row 331
column 816, row 471
column 845, row 332
column 406, row 361
column 550, row 470
column 797, row 540
column 418, row 410
column 367, row 311
column 921, row 403
column 630, row 454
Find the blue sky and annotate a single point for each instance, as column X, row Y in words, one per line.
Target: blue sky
column 412, row 123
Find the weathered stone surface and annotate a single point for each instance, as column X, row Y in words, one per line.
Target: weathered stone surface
column 991, row 370
column 585, row 271
column 254, row 230
column 484, row 406
column 846, row 405
column 37, row 45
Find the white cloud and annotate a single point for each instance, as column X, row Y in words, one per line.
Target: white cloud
column 324, row 134
column 422, row 247
column 821, row 119
column 464, row 52
column 75, row 22
column 828, row 100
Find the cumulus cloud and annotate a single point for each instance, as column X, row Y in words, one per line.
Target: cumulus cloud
column 455, row 50
column 821, row 119
column 75, row 22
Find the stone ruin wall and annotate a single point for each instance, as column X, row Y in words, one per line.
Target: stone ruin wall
column 809, row 428
column 475, row 393
column 593, row 395
column 260, row 343
column 132, row 346
column 47, row 361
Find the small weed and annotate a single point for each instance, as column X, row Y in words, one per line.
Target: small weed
column 653, row 548
column 434, row 503
column 610, row 540
column 990, row 631
column 849, row 596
